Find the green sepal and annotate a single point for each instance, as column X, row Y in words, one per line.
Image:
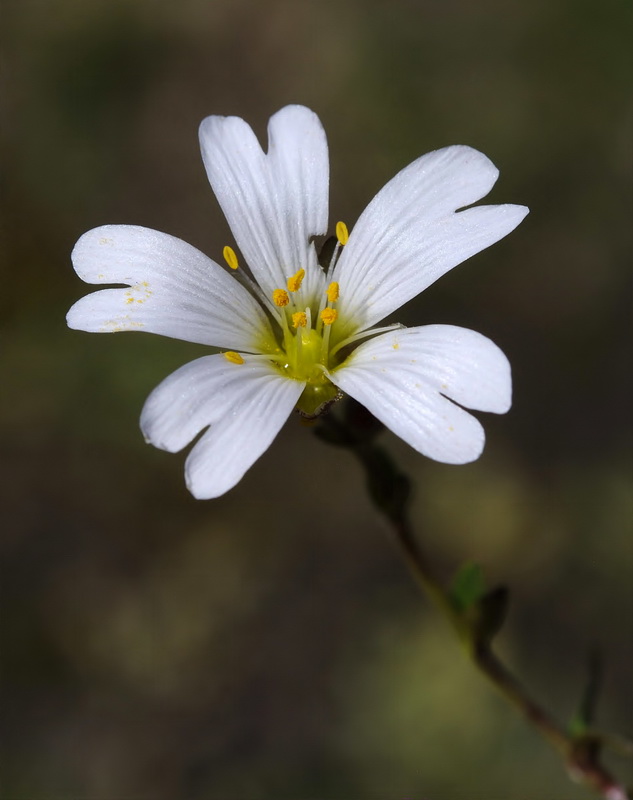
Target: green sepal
column 493, row 608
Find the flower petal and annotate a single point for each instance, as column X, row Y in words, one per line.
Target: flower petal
column 273, row 202
column 245, row 406
column 409, row 235
column 174, row 290
column 405, row 377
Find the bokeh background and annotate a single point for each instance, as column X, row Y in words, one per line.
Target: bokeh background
column 270, row 644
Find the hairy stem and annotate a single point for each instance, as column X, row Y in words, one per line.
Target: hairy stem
column 390, row 492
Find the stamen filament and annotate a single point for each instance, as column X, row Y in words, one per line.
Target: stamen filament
column 250, row 284
column 283, row 321
column 364, row 334
column 333, row 259
column 325, row 343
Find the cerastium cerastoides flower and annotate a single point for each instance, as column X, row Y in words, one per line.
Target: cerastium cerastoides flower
column 298, row 333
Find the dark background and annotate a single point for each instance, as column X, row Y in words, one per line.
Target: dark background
column 270, row 644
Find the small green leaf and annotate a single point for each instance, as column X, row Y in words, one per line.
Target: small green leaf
column 468, row 586
column 584, row 717
column 483, row 612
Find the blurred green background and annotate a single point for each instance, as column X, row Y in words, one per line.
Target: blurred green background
column 270, row 644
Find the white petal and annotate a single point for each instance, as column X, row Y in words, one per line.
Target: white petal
column 174, row 290
column 245, row 406
column 405, row 377
column 273, row 202
column 409, row 235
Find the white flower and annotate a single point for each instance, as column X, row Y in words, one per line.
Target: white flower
column 298, row 334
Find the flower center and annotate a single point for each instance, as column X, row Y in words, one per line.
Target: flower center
column 305, row 345
column 302, row 350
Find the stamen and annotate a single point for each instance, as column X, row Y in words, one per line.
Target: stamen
column 233, row 357
column 299, row 320
column 366, row 334
column 294, row 283
column 280, row 298
column 248, row 282
column 329, row 315
column 342, row 234
column 230, row 257
column 332, row 292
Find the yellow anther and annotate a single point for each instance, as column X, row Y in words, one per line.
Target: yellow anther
column 299, row 320
column 294, row 283
column 332, row 292
column 230, row 257
column 342, row 234
column 329, row 315
column 280, row 298
column 233, row 357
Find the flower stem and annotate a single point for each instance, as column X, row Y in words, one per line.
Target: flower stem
column 390, row 492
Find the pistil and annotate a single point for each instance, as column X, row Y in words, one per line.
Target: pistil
column 303, row 352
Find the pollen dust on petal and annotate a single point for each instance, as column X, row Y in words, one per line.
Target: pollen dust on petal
column 125, row 323
column 138, row 293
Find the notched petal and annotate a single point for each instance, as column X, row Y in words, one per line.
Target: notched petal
column 242, row 406
column 171, row 288
column 274, row 202
column 413, row 232
column 416, row 380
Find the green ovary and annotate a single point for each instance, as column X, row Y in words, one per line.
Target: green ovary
column 306, row 359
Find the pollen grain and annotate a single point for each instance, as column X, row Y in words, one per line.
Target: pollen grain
column 230, row 257
column 332, row 292
column 280, row 298
column 294, row 283
column 329, row 315
column 233, row 357
column 342, row 234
